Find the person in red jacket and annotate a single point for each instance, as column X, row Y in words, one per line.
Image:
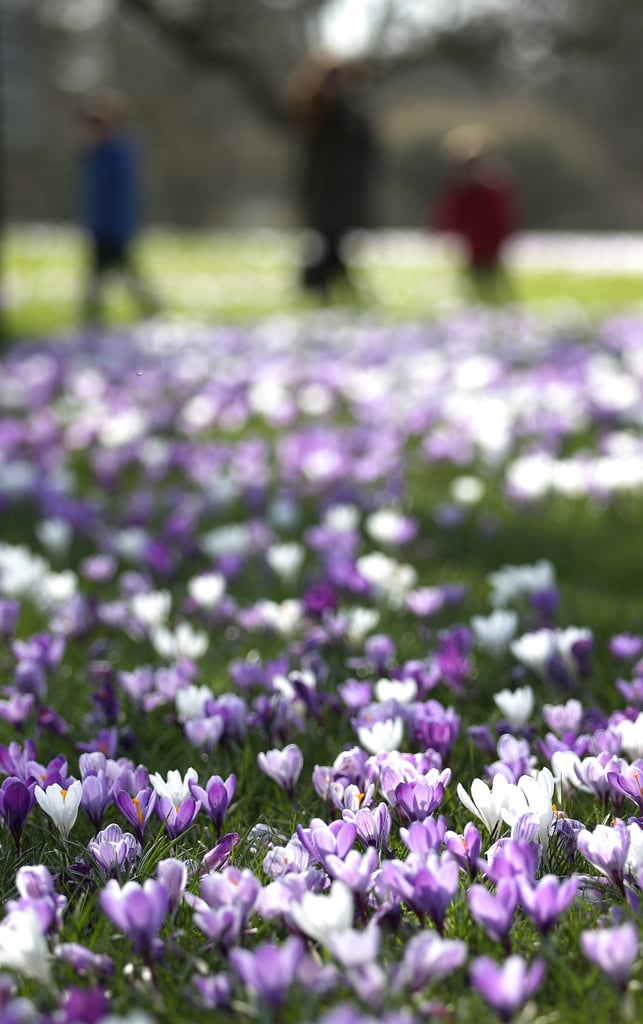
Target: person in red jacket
column 478, row 204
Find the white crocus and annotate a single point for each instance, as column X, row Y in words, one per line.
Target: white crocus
column 23, row 947
column 207, row 589
column 283, row 617
column 381, row 737
column 54, row 535
column 401, row 690
column 511, row 582
column 183, row 642
column 319, row 915
column 386, row 526
column 532, row 796
column 341, row 518
column 359, row 622
column 535, row 650
column 175, row 786
column 495, row 632
column 566, row 640
column 515, row 705
column 61, row 804
column 151, row 609
column 391, row 580
column 631, row 734
column 285, row 560
column 56, row 588
column 635, row 852
column 564, row 763
column 190, row 701
column 485, row 802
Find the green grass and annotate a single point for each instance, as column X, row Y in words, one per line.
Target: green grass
column 240, row 277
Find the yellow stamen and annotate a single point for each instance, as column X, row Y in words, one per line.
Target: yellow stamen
column 139, row 813
column 63, row 794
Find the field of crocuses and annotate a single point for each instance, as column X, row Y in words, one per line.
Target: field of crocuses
column 323, row 672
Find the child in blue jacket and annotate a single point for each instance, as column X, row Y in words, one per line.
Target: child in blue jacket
column 112, row 204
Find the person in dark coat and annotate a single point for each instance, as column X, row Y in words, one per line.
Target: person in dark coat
column 112, row 202
column 337, row 166
column 478, row 204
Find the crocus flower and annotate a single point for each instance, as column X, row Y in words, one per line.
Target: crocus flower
column 485, row 803
column 494, row 911
column 606, row 848
column 269, row 970
column 177, row 817
column 137, row 809
column 216, row 798
column 16, row 800
column 381, row 736
column 427, row 958
column 283, row 766
column 614, row 950
column 61, row 804
column 23, row 947
column 137, row 910
column 516, row 705
column 544, row 901
column 173, row 874
column 320, row 915
column 506, row 987
column 113, row 849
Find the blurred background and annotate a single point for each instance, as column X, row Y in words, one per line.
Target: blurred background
column 557, row 81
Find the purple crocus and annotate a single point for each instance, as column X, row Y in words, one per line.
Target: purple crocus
column 506, row 987
column 269, row 970
column 427, row 887
column 137, row 910
column 606, row 848
column 114, row 850
column 283, row 766
column 427, row 957
column 216, row 798
column 16, row 801
column 137, row 809
column 96, row 797
column 89, row 1005
column 494, row 911
column 418, row 799
column 177, row 817
column 614, row 950
column 465, row 848
column 544, row 901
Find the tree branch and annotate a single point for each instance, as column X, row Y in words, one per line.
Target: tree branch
column 200, row 49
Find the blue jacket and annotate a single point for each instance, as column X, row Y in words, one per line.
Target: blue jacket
column 112, row 198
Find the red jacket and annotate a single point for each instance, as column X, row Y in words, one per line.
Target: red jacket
column 481, row 210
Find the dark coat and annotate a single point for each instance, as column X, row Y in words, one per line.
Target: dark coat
column 338, row 163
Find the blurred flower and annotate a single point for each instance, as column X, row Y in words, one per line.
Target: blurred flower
column 614, row 950
column 506, row 987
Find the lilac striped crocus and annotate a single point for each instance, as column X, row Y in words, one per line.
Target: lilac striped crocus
column 544, row 901
column 506, row 987
column 606, row 848
column 216, row 798
column 136, row 910
column 494, row 911
column 613, row 950
column 269, row 970
column 283, row 766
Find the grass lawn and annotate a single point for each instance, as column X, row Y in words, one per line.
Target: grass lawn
column 225, row 278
